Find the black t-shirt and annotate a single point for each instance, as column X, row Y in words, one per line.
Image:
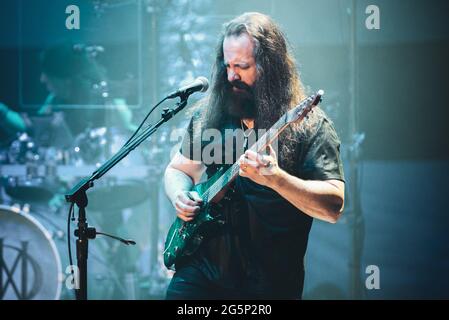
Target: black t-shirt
column 261, row 247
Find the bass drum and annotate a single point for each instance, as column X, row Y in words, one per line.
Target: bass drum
column 34, row 258
column 29, row 260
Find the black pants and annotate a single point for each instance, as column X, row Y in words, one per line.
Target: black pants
column 190, row 283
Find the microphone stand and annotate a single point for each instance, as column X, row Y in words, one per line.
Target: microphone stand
column 77, row 195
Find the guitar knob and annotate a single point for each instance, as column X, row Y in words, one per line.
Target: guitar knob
column 184, row 236
column 176, row 249
column 198, row 239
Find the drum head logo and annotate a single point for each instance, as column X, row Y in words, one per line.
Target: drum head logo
column 20, row 274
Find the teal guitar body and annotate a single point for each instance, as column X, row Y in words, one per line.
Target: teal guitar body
column 184, row 238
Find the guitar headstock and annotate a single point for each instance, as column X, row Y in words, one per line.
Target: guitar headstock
column 304, row 107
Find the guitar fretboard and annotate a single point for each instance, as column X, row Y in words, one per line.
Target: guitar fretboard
column 267, row 138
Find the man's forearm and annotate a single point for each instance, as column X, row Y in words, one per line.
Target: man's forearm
column 176, row 181
column 318, row 199
column 11, row 120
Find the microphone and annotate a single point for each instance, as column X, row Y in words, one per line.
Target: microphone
column 199, row 84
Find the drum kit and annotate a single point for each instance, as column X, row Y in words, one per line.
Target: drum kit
column 33, row 214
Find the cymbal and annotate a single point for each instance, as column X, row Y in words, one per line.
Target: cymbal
column 121, row 194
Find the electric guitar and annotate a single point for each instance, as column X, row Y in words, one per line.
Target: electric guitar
column 184, row 238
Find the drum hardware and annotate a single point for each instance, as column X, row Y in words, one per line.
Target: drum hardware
column 31, row 170
column 112, row 194
column 23, row 150
column 31, row 187
column 50, row 171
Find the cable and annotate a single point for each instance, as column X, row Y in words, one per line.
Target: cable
column 143, row 121
column 138, row 128
column 68, row 240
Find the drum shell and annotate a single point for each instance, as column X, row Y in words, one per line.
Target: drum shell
column 30, row 259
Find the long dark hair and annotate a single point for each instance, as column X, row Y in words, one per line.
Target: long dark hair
column 278, row 87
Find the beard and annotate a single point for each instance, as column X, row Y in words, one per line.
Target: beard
column 253, row 102
column 241, row 100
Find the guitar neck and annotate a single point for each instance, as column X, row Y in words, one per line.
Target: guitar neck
column 296, row 114
column 232, row 172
